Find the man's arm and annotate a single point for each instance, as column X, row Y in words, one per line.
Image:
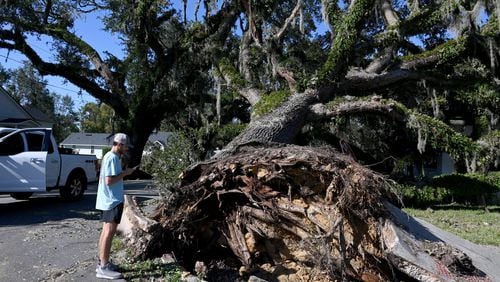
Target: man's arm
column 110, row 180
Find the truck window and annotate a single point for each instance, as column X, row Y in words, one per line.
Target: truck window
column 35, row 141
column 12, row 145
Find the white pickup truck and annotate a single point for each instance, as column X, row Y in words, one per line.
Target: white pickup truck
column 31, row 162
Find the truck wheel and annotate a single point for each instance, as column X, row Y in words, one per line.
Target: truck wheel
column 75, row 185
column 21, row 195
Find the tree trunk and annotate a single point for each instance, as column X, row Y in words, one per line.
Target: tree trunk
column 281, row 125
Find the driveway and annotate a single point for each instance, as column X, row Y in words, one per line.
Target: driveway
column 46, row 239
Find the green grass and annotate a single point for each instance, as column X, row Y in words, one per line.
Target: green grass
column 150, row 270
column 147, row 270
column 471, row 223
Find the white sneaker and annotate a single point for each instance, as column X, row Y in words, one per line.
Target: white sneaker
column 106, row 273
column 110, row 266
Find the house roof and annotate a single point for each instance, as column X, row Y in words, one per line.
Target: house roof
column 12, row 111
column 38, row 115
column 15, row 115
column 105, row 139
column 160, row 136
column 82, row 138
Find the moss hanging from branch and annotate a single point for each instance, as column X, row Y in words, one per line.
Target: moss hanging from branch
column 430, row 131
column 491, row 146
column 422, row 130
column 441, row 136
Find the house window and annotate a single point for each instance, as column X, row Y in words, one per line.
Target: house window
column 91, row 149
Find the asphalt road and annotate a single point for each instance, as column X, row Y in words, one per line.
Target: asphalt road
column 47, row 239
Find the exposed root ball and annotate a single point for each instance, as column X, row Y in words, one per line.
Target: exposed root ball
column 310, row 211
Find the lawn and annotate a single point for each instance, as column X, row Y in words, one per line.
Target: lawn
column 471, row 223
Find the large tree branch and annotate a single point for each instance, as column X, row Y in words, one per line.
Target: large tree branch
column 221, row 24
column 244, row 55
column 255, row 33
column 322, row 111
column 390, row 16
column 387, row 53
column 344, row 42
column 277, row 36
column 60, row 33
column 280, row 125
column 412, row 67
column 252, row 95
column 444, row 53
column 77, row 76
column 438, row 134
column 234, row 80
column 101, row 67
column 419, row 23
column 283, row 72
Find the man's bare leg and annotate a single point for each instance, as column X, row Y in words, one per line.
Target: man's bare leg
column 105, row 241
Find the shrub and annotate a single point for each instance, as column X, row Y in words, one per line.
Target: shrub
column 226, row 133
column 165, row 165
column 414, row 196
column 469, row 184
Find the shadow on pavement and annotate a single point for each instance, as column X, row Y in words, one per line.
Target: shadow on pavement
column 41, row 209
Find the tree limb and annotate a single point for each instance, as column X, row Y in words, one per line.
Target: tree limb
column 321, row 111
column 344, row 42
column 277, row 36
column 70, row 73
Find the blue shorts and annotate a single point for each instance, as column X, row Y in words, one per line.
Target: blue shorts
column 113, row 215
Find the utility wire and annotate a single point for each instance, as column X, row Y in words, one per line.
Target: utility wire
column 44, row 83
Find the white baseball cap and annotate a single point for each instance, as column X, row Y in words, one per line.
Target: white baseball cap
column 121, row 138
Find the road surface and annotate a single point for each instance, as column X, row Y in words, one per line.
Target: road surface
column 47, row 239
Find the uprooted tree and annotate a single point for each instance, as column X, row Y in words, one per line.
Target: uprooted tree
column 379, row 78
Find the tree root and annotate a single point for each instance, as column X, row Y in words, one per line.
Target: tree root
column 288, row 205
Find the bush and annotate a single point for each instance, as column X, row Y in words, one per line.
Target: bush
column 443, row 189
column 226, row 133
column 413, row 196
column 166, row 165
column 469, row 184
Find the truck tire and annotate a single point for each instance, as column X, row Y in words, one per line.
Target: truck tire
column 21, row 195
column 74, row 188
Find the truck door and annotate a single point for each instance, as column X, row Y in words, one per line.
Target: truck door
column 21, row 170
column 53, row 168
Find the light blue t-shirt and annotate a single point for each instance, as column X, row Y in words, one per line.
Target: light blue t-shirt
column 110, row 196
